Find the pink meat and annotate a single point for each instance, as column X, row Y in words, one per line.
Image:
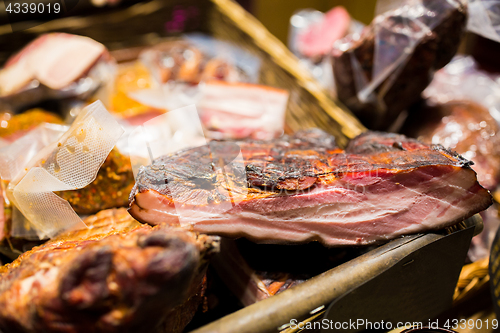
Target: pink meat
column 55, row 60
column 318, row 40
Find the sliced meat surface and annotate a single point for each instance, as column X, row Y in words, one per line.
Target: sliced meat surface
column 302, row 188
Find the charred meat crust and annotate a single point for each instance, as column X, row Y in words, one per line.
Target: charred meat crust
column 289, row 163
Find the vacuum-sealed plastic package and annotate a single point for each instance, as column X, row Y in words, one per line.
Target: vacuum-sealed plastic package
column 247, row 64
column 55, row 66
column 170, row 75
column 13, row 159
column 211, row 74
column 69, row 163
column 484, row 18
column 384, row 71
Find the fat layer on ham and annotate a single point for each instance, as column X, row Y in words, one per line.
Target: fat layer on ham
column 55, row 60
column 304, row 188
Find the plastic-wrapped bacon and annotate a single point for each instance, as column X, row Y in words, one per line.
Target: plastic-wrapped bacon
column 241, row 110
column 55, row 66
column 462, row 111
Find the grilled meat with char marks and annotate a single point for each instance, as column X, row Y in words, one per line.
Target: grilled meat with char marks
column 302, row 188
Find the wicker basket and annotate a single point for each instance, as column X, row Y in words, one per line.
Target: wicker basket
column 473, row 278
column 144, row 23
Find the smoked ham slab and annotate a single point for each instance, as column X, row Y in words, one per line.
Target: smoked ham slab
column 304, row 188
column 117, row 276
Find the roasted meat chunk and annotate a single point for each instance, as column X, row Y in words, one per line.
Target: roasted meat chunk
column 302, row 188
column 117, row 276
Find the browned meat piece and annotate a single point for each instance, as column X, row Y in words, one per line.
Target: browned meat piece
column 110, row 189
column 403, row 86
column 465, row 127
column 301, row 188
column 117, row 276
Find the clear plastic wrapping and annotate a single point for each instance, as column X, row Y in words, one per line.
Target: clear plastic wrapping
column 15, row 156
column 13, row 160
column 484, row 18
column 71, row 162
column 462, row 79
column 384, row 71
column 164, row 134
